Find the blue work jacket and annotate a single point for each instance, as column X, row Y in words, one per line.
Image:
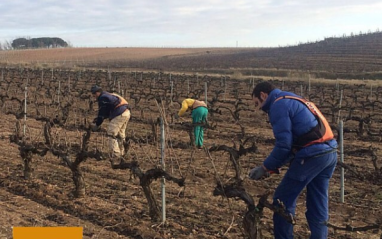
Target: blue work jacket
column 290, row 119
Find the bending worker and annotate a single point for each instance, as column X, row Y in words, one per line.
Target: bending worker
column 117, row 109
column 199, row 115
column 305, row 141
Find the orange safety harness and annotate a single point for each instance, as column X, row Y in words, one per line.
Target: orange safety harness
column 122, row 101
column 320, row 133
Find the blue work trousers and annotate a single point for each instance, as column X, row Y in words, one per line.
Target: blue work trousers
column 314, row 174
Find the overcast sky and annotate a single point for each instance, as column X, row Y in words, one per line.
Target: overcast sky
column 192, row 23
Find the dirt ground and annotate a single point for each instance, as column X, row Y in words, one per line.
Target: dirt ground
column 116, row 208
column 115, row 205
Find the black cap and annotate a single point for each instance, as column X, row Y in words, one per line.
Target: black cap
column 95, row 89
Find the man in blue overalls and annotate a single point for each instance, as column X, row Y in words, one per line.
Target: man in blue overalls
column 303, row 139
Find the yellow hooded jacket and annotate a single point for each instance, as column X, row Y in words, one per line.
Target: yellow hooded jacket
column 190, row 104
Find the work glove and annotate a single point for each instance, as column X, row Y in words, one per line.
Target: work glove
column 258, row 173
column 94, row 128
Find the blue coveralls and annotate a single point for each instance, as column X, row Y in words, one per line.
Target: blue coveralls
column 311, row 166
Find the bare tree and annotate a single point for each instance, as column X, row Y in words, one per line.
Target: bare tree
column 7, row 45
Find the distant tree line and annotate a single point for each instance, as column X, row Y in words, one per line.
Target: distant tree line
column 41, row 42
column 28, row 43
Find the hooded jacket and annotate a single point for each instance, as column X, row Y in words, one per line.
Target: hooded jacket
column 109, row 106
column 190, row 104
column 290, row 119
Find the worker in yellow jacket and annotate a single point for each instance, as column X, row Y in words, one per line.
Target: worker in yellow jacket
column 199, row 115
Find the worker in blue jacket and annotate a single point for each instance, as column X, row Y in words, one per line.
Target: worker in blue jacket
column 305, row 141
column 115, row 108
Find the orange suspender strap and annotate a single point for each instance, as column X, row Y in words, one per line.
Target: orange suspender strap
column 121, row 99
column 322, row 131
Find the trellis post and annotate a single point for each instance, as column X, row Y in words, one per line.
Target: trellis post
column 58, row 92
column 188, row 86
column 339, row 106
column 205, row 91
column 25, row 111
column 172, row 91
column 42, row 77
column 225, row 86
column 253, row 84
column 371, row 92
column 163, row 184
column 342, row 186
column 69, row 84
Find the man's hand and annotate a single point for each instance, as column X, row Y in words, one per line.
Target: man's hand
column 258, row 173
column 94, row 128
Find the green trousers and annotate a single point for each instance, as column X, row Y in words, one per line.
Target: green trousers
column 199, row 115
